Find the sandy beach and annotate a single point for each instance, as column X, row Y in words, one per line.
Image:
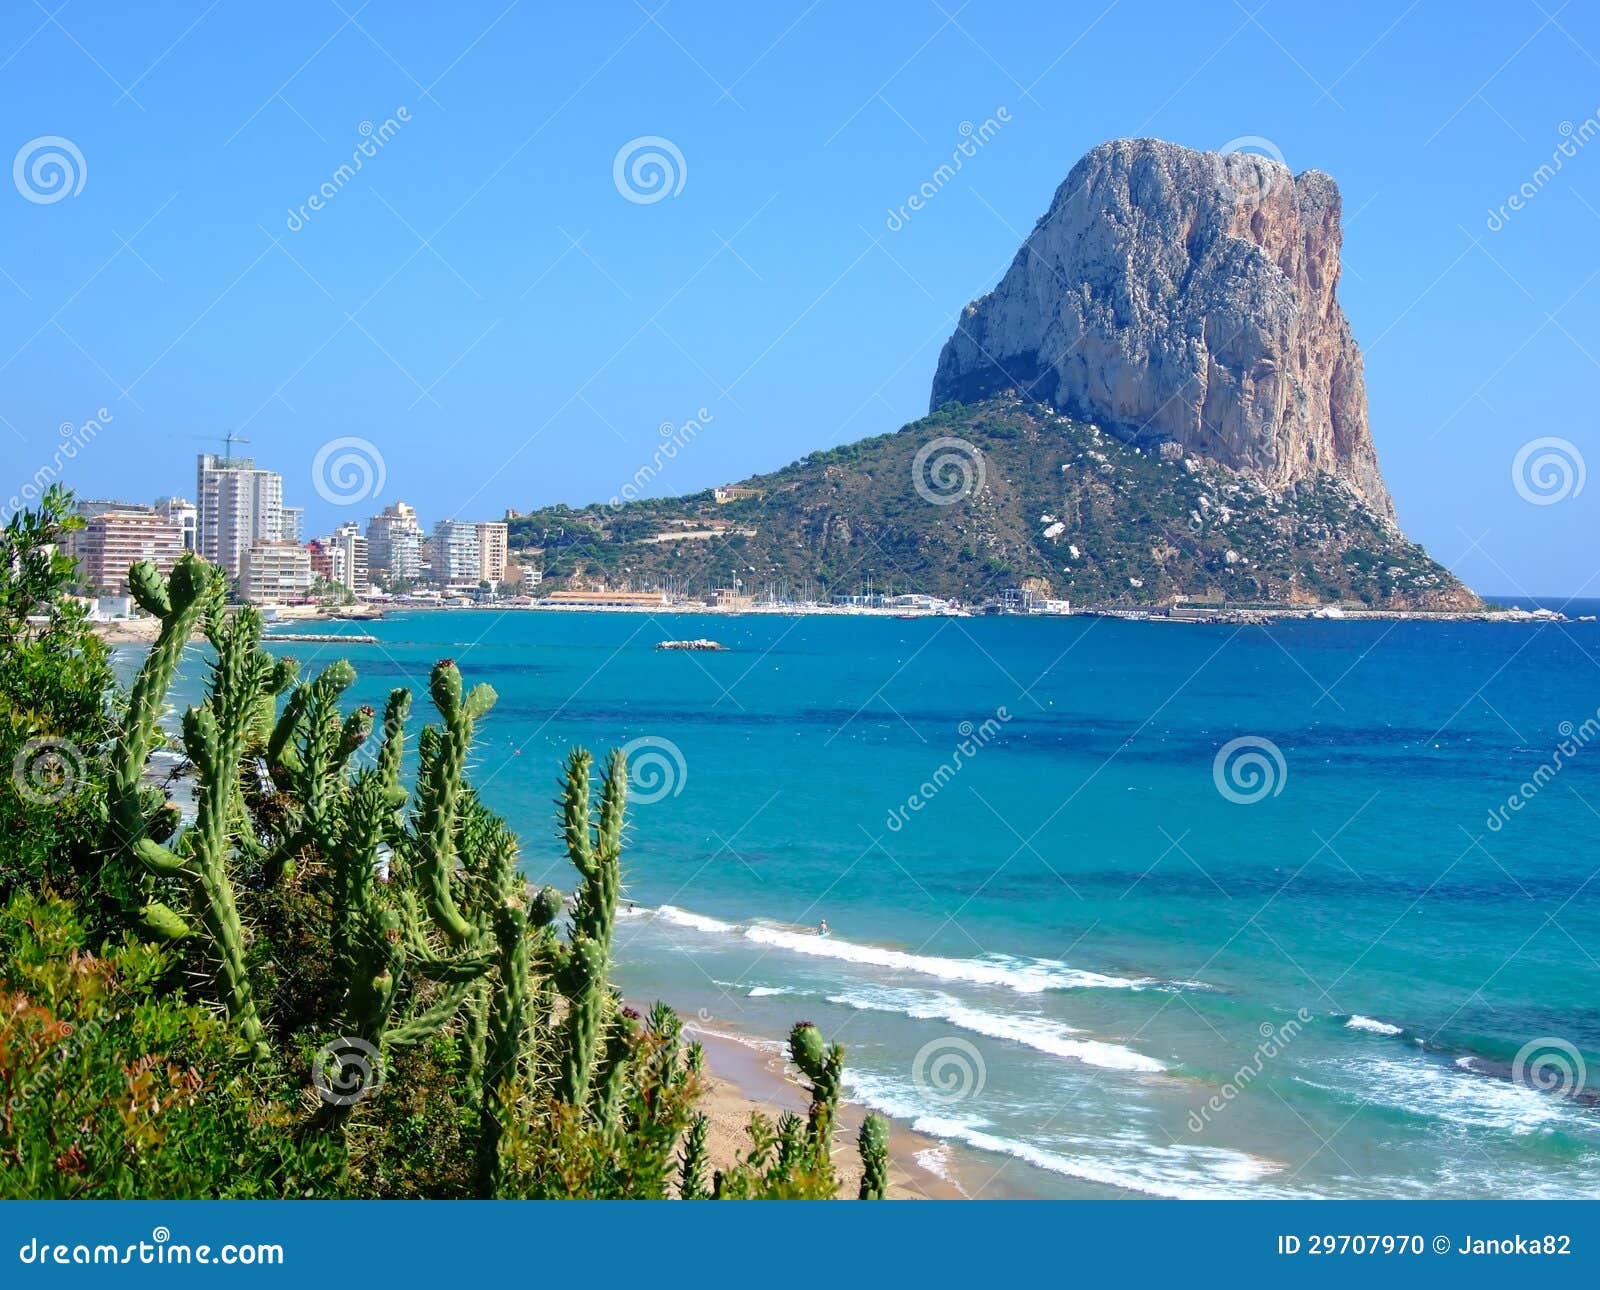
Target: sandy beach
column 749, row 1075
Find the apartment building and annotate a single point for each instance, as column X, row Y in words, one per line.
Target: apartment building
column 455, row 556
column 181, row 511
column 276, row 571
column 492, row 550
column 394, row 543
column 237, row 507
column 348, row 550
column 112, row 540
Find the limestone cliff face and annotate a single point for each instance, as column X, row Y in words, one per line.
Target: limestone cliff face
column 1170, row 294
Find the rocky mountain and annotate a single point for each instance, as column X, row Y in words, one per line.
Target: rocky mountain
column 1183, row 296
column 1161, row 399
column 972, row 500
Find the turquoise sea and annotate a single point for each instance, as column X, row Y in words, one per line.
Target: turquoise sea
column 1065, row 938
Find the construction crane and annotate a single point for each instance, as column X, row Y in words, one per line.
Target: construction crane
column 227, row 441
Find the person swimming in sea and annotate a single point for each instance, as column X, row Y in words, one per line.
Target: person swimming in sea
column 822, row 928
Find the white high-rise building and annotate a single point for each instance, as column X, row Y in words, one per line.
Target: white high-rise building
column 292, row 524
column 348, row 549
column 455, row 557
column 394, row 543
column 238, row 506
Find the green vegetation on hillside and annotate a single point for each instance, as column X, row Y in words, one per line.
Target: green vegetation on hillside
column 1100, row 521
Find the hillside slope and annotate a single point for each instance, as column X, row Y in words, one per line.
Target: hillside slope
column 1020, row 493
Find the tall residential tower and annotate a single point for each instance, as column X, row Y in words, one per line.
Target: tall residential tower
column 237, row 507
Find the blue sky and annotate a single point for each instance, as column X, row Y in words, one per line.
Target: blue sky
column 484, row 304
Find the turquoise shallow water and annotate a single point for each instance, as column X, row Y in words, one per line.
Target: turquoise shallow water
column 1078, row 959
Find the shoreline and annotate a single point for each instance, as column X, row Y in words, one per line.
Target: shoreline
column 143, row 630
column 750, row 1074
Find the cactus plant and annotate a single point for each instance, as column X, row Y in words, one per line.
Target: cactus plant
column 581, row 972
column 429, row 926
column 214, row 735
column 308, row 750
column 509, row 1017
column 433, row 853
column 692, row 1161
column 873, row 1142
column 179, row 603
column 366, row 934
column 823, row 1065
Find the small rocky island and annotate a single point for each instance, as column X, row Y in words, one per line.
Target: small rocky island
column 701, row 644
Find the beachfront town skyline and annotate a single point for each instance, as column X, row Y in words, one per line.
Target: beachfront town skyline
column 239, row 521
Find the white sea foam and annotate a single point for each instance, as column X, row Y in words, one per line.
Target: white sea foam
column 756, row 1042
column 1217, row 1174
column 1039, row 1033
column 763, row 991
column 699, row 922
column 1179, row 1172
column 1024, row 975
column 1457, row 1095
column 1027, row 976
column 1371, row 1027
